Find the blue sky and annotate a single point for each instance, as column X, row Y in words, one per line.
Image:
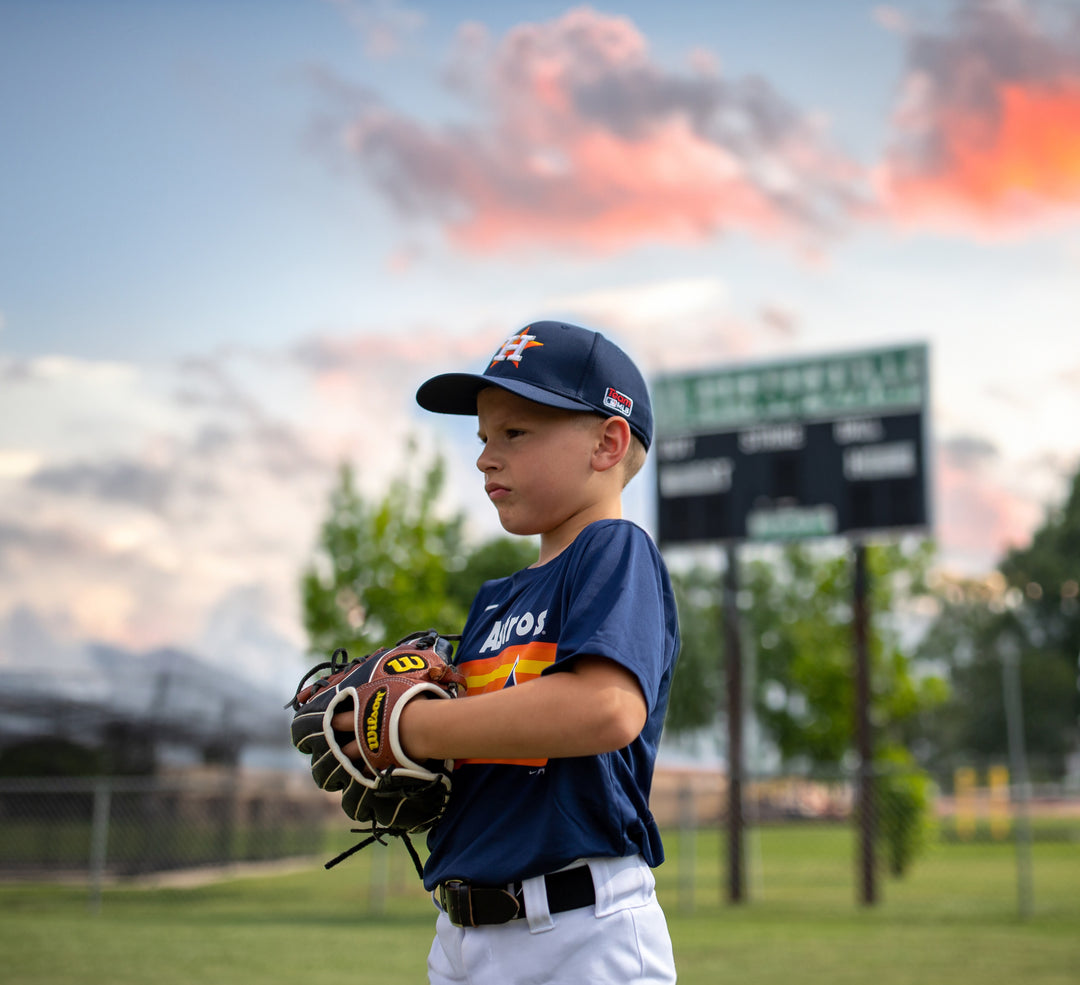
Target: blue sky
column 234, row 237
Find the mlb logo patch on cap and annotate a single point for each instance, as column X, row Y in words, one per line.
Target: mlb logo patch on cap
column 618, row 402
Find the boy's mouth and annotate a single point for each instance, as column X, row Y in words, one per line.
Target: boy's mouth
column 495, row 491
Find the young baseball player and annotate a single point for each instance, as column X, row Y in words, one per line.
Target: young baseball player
column 541, row 867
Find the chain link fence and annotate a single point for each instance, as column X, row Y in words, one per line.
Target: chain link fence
column 912, row 812
column 971, row 804
column 106, row 829
column 119, row 827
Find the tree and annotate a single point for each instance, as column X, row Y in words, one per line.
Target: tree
column 387, row 568
column 1045, row 578
column 383, row 570
column 796, row 607
column 1030, row 607
column 495, row 558
column 50, row 756
column 904, row 800
column 800, row 617
column 1047, row 574
column 696, row 688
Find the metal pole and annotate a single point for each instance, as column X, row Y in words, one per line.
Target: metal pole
column 1021, row 789
column 380, row 880
column 733, row 667
column 99, row 840
column 687, row 846
column 865, row 812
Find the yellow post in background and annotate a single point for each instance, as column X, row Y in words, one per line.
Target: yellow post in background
column 1000, row 805
column 964, row 788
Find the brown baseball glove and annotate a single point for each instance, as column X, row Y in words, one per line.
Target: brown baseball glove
column 384, row 789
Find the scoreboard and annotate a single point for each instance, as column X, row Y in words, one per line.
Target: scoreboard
column 814, row 447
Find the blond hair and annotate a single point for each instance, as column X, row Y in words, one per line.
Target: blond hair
column 634, row 459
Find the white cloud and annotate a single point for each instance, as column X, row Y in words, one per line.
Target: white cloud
column 672, row 324
column 383, row 25
column 140, row 499
column 18, row 463
column 59, row 406
column 652, row 302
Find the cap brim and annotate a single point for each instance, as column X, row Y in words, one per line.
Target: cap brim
column 455, row 393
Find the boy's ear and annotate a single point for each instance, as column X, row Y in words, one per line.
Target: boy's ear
column 613, row 442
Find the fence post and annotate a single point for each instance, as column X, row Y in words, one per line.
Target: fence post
column 687, row 845
column 99, row 839
column 1014, row 724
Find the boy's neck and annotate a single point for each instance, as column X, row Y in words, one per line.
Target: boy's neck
column 554, row 542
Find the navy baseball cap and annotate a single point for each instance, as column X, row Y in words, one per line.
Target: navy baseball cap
column 556, row 364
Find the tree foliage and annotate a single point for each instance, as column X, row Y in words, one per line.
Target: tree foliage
column 795, row 609
column 389, row 567
column 696, row 688
column 494, row 558
column 796, row 606
column 1045, row 577
column 1028, row 609
column 383, row 569
column 904, row 808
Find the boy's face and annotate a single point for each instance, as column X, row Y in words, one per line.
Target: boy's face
column 537, row 461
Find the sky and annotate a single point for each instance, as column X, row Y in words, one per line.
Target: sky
column 236, row 236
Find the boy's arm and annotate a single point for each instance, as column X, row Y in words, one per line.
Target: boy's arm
column 597, row 706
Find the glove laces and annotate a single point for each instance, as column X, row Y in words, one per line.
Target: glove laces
column 375, row 834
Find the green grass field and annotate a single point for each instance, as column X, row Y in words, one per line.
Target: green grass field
column 954, row 920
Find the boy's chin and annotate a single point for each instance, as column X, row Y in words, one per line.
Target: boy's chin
column 518, row 527
column 518, row 530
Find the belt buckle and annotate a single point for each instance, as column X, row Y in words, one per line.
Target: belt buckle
column 467, row 905
column 455, row 895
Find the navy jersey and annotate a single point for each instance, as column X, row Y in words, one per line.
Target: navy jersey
column 608, row 595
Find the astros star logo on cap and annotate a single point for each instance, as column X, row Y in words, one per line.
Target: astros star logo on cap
column 514, row 348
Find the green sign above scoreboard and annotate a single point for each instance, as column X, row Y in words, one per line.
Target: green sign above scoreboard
column 867, row 382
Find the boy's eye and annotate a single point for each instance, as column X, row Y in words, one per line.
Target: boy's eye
column 507, row 434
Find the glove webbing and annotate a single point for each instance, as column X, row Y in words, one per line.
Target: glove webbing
column 339, row 660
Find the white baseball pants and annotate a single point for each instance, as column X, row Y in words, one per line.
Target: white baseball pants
column 622, row 940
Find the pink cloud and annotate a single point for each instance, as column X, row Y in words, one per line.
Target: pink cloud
column 988, row 130
column 582, row 141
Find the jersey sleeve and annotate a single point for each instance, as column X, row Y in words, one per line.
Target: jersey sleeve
column 619, row 605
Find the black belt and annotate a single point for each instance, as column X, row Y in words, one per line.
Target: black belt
column 473, row 906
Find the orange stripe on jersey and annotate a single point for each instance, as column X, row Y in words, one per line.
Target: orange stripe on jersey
column 522, row 662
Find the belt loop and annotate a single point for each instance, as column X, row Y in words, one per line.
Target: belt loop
column 534, row 893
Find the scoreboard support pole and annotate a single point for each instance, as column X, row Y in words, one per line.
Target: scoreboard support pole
column 866, row 808
column 734, row 680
